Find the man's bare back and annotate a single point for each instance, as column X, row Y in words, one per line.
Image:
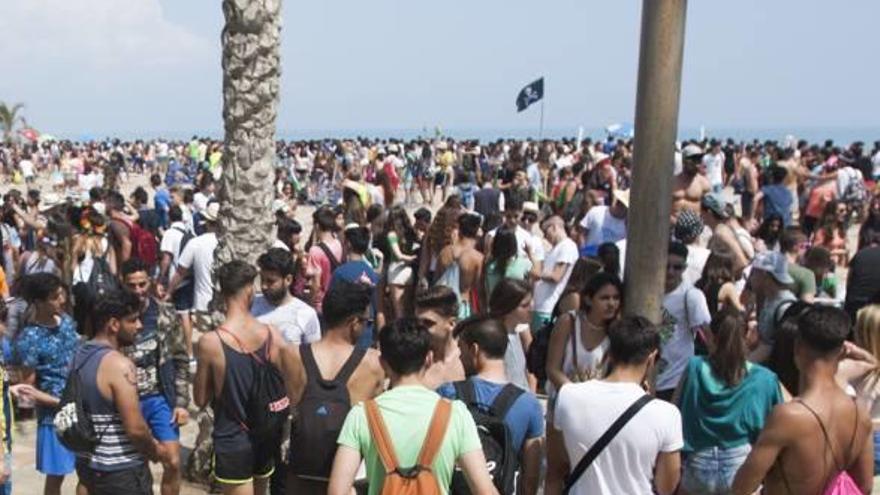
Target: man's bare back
column 366, row 382
column 804, row 460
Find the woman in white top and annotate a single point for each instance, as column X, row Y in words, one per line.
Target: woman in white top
column 579, row 342
column 511, row 303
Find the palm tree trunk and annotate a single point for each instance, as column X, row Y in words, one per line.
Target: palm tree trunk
column 251, row 73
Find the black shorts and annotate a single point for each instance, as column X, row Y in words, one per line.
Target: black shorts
column 132, row 481
column 184, row 297
column 440, row 179
column 242, row 466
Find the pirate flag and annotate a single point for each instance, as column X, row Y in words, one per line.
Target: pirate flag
column 530, row 94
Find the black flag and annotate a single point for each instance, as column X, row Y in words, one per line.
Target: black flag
column 530, row 94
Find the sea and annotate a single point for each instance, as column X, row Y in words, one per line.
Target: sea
column 841, row 136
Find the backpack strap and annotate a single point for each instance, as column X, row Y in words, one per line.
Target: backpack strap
column 466, row 392
column 381, row 439
column 575, row 330
column 603, row 442
column 330, row 256
column 436, row 433
column 350, row 365
column 505, row 400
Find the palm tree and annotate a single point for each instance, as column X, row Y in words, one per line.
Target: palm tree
column 251, row 42
column 251, row 71
column 8, row 118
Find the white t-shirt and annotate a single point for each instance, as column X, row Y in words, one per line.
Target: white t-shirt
column 198, row 257
column 696, row 261
column 200, row 201
column 27, row 168
column 547, row 293
column 714, row 168
column 602, row 226
column 170, row 244
column 678, row 337
column 296, row 320
column 584, row 411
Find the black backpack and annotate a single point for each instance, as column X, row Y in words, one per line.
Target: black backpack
column 320, row 415
column 536, row 356
column 187, row 236
column 267, row 405
column 502, row 458
column 86, row 294
column 73, row 425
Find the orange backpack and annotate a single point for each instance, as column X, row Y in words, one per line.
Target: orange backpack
column 419, row 479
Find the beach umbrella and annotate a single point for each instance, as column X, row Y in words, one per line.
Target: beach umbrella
column 621, row 130
column 29, row 133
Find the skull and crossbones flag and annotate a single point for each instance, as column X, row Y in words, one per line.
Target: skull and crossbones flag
column 530, row 94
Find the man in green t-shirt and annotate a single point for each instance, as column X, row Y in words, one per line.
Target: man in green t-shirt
column 794, row 244
column 407, row 409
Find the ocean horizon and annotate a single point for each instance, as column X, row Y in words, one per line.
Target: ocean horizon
column 813, row 134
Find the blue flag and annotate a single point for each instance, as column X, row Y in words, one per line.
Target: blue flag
column 530, row 94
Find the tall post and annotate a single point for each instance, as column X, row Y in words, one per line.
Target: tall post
column 659, row 87
column 541, row 126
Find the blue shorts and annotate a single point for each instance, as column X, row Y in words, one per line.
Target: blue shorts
column 157, row 414
column 53, row 459
column 711, row 471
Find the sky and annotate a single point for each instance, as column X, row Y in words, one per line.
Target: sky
column 98, row 67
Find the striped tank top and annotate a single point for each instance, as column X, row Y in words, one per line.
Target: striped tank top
column 114, row 451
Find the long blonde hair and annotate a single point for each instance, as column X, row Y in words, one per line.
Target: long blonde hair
column 868, row 334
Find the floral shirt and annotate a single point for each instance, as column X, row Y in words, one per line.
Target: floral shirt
column 48, row 351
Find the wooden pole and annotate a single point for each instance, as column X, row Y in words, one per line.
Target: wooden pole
column 656, row 125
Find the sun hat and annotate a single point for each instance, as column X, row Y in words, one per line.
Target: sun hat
column 775, row 264
column 714, row 202
column 211, row 212
column 622, row 196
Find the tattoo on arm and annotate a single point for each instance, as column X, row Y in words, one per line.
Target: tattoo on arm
column 130, row 375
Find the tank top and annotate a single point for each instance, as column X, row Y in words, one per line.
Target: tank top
column 589, row 362
column 114, row 451
column 230, row 433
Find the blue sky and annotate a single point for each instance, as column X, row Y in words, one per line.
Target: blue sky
column 129, row 66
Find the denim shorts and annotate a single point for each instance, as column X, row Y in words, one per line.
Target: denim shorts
column 876, row 453
column 711, row 471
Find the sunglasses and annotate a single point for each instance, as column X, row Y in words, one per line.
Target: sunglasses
column 676, row 266
column 529, row 218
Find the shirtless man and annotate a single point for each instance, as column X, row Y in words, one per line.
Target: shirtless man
column 315, row 372
column 690, row 185
column 786, row 457
column 470, row 261
column 437, row 309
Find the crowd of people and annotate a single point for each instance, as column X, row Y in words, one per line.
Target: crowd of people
column 451, row 320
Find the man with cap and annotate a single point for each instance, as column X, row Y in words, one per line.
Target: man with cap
column 716, row 216
column 690, row 185
column 604, row 224
column 770, row 282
